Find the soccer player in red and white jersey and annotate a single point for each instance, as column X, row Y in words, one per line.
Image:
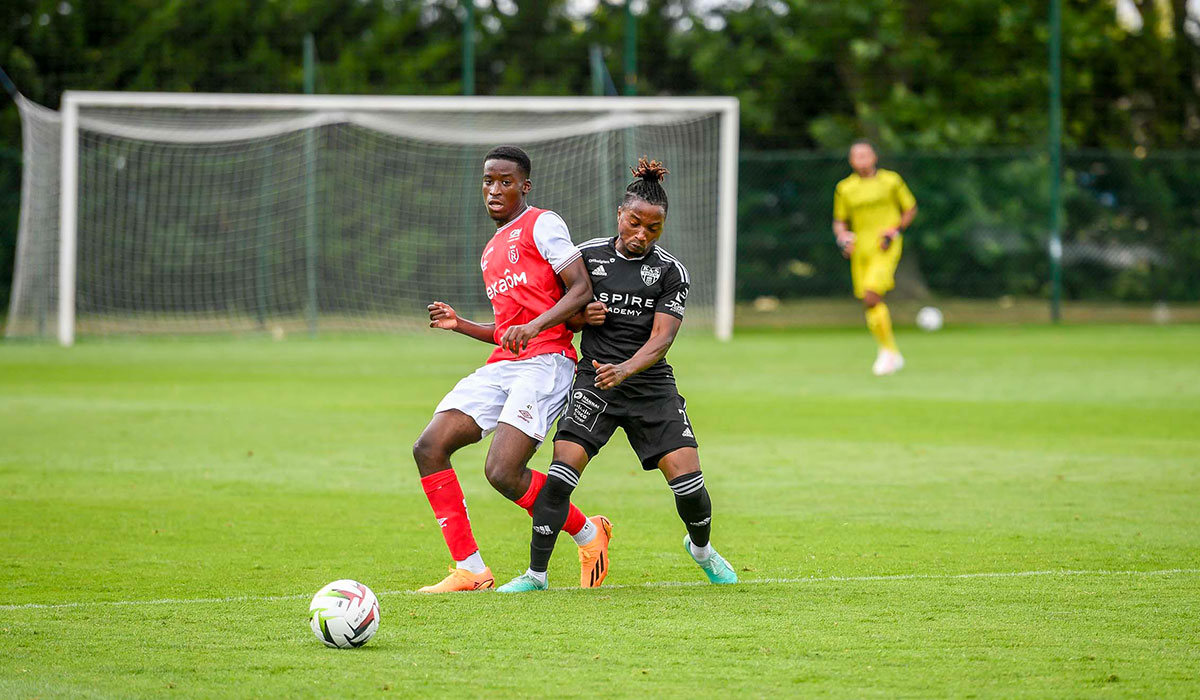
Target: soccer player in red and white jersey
column 535, row 280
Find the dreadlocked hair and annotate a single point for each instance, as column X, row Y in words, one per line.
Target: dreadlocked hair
column 648, row 185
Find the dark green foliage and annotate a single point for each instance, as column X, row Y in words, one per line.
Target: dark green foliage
column 917, row 76
column 916, row 73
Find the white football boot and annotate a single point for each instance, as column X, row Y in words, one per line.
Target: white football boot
column 879, row 368
column 888, row 363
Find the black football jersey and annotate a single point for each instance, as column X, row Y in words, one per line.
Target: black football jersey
column 633, row 290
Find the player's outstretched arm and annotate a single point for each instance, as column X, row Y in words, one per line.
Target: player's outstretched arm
column 662, row 335
column 442, row 315
column 579, row 291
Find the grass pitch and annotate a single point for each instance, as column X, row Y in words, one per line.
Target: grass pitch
column 1015, row 515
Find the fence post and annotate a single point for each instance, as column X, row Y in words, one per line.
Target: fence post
column 630, row 50
column 1055, row 243
column 468, row 49
column 311, row 241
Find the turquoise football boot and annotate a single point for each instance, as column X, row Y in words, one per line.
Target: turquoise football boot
column 715, row 567
column 523, row 584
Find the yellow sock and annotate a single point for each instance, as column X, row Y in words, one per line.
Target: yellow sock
column 879, row 321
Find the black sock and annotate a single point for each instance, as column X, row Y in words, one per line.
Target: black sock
column 550, row 513
column 694, row 506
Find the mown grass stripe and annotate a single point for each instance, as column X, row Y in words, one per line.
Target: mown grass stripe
column 648, row 584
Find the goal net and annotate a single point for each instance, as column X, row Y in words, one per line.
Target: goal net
column 188, row 213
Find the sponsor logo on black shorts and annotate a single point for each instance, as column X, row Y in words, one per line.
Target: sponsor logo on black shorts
column 585, row 408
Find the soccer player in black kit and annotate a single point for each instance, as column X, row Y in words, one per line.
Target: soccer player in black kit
column 623, row 380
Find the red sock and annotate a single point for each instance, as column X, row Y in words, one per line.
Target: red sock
column 575, row 517
column 450, row 509
column 575, row 521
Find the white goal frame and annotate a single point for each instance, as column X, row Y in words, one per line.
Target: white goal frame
column 73, row 100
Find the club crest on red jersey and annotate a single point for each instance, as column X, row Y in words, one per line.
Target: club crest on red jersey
column 513, row 254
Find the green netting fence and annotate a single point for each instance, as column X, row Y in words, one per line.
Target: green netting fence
column 1131, row 230
column 1131, row 226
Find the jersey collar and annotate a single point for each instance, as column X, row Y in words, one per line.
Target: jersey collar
column 625, row 257
column 515, row 218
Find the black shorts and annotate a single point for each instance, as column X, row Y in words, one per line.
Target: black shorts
column 651, row 411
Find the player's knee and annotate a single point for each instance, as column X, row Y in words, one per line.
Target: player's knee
column 503, row 478
column 871, row 300
column 428, row 453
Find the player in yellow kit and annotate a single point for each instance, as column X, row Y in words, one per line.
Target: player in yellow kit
column 871, row 208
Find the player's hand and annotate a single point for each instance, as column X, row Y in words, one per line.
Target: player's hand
column 593, row 313
column 845, row 241
column 609, row 376
column 887, row 238
column 517, row 338
column 441, row 315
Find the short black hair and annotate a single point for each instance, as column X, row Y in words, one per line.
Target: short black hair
column 512, row 154
column 648, row 185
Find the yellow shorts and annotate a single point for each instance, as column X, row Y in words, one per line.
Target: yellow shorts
column 872, row 269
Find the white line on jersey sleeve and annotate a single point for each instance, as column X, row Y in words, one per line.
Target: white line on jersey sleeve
column 595, row 242
column 672, row 259
column 553, row 241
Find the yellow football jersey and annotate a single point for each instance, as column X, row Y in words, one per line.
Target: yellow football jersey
column 871, row 205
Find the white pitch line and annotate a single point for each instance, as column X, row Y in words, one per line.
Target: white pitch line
column 648, row 584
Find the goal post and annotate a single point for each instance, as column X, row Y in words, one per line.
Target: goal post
column 68, row 220
column 185, row 212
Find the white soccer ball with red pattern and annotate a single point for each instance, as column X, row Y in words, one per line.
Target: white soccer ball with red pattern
column 344, row 614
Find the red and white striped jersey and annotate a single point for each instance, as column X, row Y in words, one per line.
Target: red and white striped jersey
column 520, row 273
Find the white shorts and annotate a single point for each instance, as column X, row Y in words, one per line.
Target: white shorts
column 526, row 394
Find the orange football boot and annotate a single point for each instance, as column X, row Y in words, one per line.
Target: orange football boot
column 593, row 556
column 462, row 580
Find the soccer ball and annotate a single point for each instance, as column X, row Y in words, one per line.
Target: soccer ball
column 929, row 318
column 344, row 614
